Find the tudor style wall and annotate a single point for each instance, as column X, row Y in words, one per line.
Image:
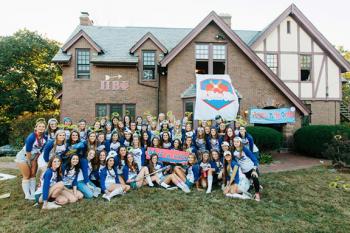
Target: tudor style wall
column 324, row 88
column 255, row 88
column 80, row 96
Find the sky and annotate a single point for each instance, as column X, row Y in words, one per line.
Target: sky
column 57, row 19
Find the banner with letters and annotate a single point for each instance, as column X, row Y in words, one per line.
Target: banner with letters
column 168, row 156
column 272, row 116
column 215, row 95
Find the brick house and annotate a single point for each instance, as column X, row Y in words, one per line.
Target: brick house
column 137, row 69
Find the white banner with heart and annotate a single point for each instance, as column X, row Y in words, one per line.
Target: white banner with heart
column 215, row 95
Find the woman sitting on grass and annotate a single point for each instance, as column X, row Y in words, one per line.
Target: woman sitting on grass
column 248, row 163
column 109, row 179
column 161, row 174
column 85, row 185
column 191, row 174
column 216, row 166
column 70, row 173
column 133, row 176
column 51, row 187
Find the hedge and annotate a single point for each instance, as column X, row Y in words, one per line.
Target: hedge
column 312, row 140
column 265, row 138
column 25, row 124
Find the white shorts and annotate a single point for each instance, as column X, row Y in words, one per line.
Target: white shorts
column 41, row 162
column 21, row 156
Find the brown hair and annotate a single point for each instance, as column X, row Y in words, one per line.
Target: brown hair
column 59, row 169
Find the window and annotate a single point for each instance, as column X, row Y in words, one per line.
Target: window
column 202, row 56
column 101, row 110
column 106, row 110
column 189, row 107
column 272, row 62
column 83, row 63
column 305, row 67
column 288, row 27
column 149, row 65
column 210, row 58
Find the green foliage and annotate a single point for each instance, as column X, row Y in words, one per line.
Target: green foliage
column 28, row 79
column 338, row 150
column 345, row 87
column 265, row 138
column 265, row 158
column 25, row 124
column 311, row 140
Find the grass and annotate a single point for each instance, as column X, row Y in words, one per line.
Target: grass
column 298, row 201
column 7, row 158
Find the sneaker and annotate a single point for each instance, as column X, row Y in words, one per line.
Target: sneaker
column 96, row 192
column 30, row 197
column 105, row 196
column 208, row 191
column 52, row 205
column 186, row 189
column 257, row 198
column 171, row 188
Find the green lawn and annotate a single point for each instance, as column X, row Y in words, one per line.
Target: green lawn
column 298, row 201
column 7, row 159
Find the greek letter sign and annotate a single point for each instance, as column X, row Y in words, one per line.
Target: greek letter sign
column 272, row 116
column 168, row 156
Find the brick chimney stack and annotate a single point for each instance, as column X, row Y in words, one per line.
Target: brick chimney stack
column 226, row 18
column 85, row 20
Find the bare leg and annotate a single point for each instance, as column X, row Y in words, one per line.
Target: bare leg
column 61, row 200
column 25, row 170
column 121, row 180
column 69, row 195
column 34, row 167
column 180, row 173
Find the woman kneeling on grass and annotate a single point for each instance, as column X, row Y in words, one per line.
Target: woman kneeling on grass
column 230, row 175
column 191, row 174
column 161, row 175
column 70, row 173
column 133, row 176
column 248, row 163
column 109, row 179
column 51, row 186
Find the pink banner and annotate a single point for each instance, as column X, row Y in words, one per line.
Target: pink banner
column 168, row 156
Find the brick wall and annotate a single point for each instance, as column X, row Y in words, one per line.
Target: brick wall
column 325, row 112
column 251, row 83
column 80, row 96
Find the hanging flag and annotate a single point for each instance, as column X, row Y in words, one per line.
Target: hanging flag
column 215, row 96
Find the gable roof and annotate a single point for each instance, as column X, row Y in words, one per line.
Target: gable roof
column 76, row 37
column 117, row 41
column 149, row 36
column 213, row 17
column 301, row 19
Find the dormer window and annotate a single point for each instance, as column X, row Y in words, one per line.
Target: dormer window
column 83, row 63
column 149, row 65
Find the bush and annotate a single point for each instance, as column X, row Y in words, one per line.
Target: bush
column 312, row 140
column 4, row 132
column 265, row 158
column 265, row 138
column 24, row 126
column 338, row 150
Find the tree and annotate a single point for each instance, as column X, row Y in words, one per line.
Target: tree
column 346, row 87
column 28, row 78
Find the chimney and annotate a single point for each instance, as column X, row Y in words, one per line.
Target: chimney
column 226, row 18
column 85, row 20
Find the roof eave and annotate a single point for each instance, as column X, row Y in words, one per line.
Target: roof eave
column 151, row 37
column 76, row 37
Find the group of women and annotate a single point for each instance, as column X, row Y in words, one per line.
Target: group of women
column 109, row 158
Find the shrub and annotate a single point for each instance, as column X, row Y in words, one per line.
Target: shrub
column 4, row 131
column 311, row 140
column 265, row 158
column 25, row 124
column 265, row 138
column 338, row 150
